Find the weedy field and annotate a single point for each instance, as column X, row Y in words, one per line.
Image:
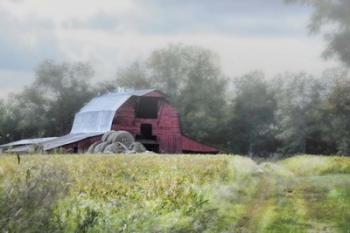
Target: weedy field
column 149, row 193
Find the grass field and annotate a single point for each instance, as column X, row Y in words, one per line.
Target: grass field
column 145, row 193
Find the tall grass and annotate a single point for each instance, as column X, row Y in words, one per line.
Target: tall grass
column 168, row 193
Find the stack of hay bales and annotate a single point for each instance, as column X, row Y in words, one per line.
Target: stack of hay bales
column 116, row 142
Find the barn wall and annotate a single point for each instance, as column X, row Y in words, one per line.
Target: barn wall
column 166, row 127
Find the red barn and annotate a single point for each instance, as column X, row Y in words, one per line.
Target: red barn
column 146, row 114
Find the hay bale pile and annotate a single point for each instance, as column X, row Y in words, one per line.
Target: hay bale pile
column 117, row 142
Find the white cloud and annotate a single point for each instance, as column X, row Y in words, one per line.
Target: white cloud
column 113, row 33
column 238, row 54
column 62, row 10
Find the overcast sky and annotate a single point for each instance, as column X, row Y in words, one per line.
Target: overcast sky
column 248, row 35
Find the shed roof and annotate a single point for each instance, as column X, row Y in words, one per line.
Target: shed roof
column 25, row 146
column 97, row 116
column 26, row 142
column 67, row 139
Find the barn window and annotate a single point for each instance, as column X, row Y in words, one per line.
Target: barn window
column 147, row 107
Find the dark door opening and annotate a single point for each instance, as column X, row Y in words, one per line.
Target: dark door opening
column 147, row 138
column 152, row 147
column 146, row 132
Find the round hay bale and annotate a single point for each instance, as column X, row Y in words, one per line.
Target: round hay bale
column 100, row 147
column 123, row 137
column 115, row 148
column 137, row 147
column 106, row 135
column 92, row 147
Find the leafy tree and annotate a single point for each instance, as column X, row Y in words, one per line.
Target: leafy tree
column 3, row 115
column 47, row 107
column 252, row 123
column 332, row 18
column 170, row 67
column 202, row 101
column 300, row 115
column 338, row 106
column 134, row 76
column 66, row 87
column 4, row 123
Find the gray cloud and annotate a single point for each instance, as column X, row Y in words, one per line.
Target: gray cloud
column 243, row 32
column 248, row 17
column 25, row 43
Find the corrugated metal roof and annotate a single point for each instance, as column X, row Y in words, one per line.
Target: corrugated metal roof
column 21, row 149
column 27, row 142
column 53, row 143
column 97, row 116
column 67, row 139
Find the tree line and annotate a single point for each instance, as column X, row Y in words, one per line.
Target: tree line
column 288, row 114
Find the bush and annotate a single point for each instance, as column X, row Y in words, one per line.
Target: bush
column 27, row 200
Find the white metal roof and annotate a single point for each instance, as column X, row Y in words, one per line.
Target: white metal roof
column 27, row 142
column 67, row 139
column 97, row 116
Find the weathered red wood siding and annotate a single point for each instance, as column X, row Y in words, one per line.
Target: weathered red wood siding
column 166, row 127
column 192, row 146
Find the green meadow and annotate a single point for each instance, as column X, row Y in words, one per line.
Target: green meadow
column 174, row 193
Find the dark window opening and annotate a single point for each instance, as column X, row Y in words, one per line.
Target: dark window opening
column 75, row 149
column 147, row 107
column 146, row 132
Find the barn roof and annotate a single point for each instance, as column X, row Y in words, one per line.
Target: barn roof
column 97, row 116
column 26, row 142
column 67, row 139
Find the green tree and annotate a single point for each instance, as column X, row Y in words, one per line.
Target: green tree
column 300, row 114
column 202, row 101
column 332, row 18
column 170, row 67
column 252, row 123
column 338, row 106
column 134, row 76
column 5, row 131
column 48, row 106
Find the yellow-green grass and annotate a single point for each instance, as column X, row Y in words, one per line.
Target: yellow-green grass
column 173, row 193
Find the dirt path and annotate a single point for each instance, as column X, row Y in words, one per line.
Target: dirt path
column 292, row 204
column 274, row 204
column 261, row 201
